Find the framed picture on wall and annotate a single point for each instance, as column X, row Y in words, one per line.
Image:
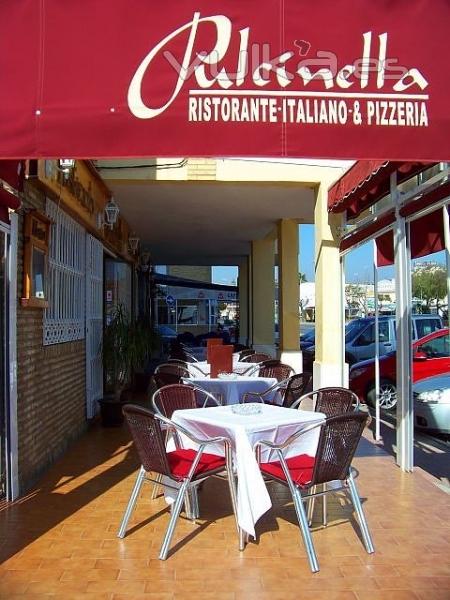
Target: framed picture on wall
column 36, row 245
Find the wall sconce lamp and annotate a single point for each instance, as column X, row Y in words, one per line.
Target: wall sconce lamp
column 66, row 165
column 133, row 242
column 144, row 261
column 111, row 212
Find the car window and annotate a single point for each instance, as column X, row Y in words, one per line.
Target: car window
column 383, row 331
column 437, row 348
column 366, row 337
column 353, row 328
column 426, row 326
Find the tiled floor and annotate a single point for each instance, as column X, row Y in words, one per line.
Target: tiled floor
column 60, row 541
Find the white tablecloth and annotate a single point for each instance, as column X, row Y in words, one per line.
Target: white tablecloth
column 238, row 367
column 274, row 424
column 231, row 390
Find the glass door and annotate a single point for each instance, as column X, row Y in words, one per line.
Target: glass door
column 3, row 367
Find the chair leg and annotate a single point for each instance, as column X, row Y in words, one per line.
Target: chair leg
column 311, row 504
column 176, row 509
column 131, row 502
column 195, row 507
column 361, row 517
column 156, row 486
column 324, row 506
column 188, row 505
column 191, row 504
column 306, row 534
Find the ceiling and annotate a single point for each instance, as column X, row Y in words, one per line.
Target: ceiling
column 207, row 223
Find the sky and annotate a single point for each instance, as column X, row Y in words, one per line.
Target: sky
column 358, row 264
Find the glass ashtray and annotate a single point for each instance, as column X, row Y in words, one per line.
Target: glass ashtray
column 252, row 408
column 227, row 376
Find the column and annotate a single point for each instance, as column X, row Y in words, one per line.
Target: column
column 403, row 311
column 288, row 285
column 329, row 368
column 263, row 296
column 244, row 300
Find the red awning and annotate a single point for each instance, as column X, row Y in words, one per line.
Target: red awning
column 359, row 182
column 368, row 232
column 426, row 237
column 366, row 183
column 114, row 78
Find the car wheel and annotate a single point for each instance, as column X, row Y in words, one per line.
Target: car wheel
column 388, row 395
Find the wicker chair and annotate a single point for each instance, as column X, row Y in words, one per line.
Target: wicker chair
column 245, row 352
column 331, row 401
column 275, row 368
column 170, row 373
column 338, row 440
column 192, row 367
column 168, row 399
column 256, row 357
column 185, row 469
column 290, row 390
column 178, row 396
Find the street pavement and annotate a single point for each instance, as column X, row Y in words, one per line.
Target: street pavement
column 431, row 453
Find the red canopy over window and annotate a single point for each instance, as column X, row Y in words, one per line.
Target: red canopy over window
column 366, row 183
column 426, row 237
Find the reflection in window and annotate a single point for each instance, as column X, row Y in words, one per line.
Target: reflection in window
column 38, row 273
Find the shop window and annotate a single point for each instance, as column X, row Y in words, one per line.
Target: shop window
column 64, row 319
column 36, row 236
column 118, row 288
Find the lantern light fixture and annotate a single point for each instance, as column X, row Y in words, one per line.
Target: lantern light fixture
column 144, row 261
column 133, row 242
column 66, row 165
column 111, row 212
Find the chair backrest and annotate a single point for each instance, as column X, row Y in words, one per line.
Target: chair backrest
column 338, row 440
column 275, row 368
column 297, row 385
column 333, row 401
column 170, row 398
column 245, row 352
column 169, row 373
column 256, row 357
column 148, row 438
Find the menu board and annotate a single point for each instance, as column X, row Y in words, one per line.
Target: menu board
column 221, row 359
column 210, row 343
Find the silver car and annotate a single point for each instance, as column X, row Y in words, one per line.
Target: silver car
column 432, row 404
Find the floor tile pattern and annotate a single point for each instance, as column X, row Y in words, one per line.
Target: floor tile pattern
column 59, row 541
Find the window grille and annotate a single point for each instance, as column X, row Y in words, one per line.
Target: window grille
column 64, row 319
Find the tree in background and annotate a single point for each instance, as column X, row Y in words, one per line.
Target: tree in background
column 302, row 278
column 429, row 283
column 356, row 298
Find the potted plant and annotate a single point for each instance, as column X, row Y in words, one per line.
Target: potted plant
column 127, row 346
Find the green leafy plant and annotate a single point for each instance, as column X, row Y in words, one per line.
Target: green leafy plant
column 127, row 345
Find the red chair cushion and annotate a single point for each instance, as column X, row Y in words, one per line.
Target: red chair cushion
column 300, row 467
column 180, row 462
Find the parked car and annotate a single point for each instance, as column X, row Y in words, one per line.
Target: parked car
column 307, row 339
column 432, row 404
column 360, row 337
column 166, row 333
column 431, row 356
